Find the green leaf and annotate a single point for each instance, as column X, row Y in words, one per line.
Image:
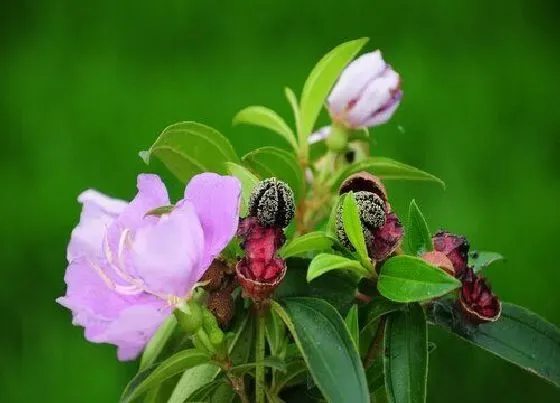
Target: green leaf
column 336, row 288
column 275, row 333
column 204, row 393
column 519, row 336
column 353, row 228
column 294, row 371
column 311, row 241
column 327, row 348
column 292, row 100
column 406, row 355
column 322, row 79
column 265, row 117
column 270, row 362
column 481, row 259
column 154, row 375
column 192, row 380
column 189, row 148
column 418, row 238
column 157, row 342
column 331, row 225
column 375, row 309
column 248, row 183
column 272, row 161
column 386, row 169
column 352, row 324
column 375, row 376
column 410, row 279
column 326, row 262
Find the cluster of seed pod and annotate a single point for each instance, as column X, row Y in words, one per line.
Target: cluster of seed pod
column 271, row 209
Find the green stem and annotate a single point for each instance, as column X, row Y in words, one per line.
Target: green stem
column 260, row 349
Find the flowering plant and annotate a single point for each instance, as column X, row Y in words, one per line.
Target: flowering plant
column 286, row 274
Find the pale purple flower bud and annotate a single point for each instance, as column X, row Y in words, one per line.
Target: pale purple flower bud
column 128, row 270
column 366, row 94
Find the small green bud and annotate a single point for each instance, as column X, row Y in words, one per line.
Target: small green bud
column 211, row 327
column 189, row 316
column 272, row 203
column 337, row 140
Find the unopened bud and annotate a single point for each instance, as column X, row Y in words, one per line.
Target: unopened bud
column 189, row 316
column 455, row 247
column 211, row 328
column 272, row 203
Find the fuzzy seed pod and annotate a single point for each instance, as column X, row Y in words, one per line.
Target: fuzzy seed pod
column 364, row 181
column 214, row 275
column 372, row 216
column 272, row 203
column 220, row 304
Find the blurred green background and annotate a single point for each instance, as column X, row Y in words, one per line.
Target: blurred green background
column 85, row 86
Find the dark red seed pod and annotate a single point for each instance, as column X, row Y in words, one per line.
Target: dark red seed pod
column 477, row 302
column 364, row 181
column 259, row 278
column 455, row 247
column 386, row 239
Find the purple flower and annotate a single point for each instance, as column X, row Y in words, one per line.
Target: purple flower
column 127, row 270
column 366, row 94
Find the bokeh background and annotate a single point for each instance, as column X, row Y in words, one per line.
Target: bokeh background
column 85, row 86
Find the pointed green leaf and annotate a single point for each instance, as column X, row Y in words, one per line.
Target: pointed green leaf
column 352, row 324
column 326, row 262
column 409, row 279
column 353, row 227
column 519, row 336
column 270, row 362
column 386, row 169
column 189, row 148
column 205, row 393
column 417, row 234
column 157, row 342
column 272, row 161
column 322, row 79
column 312, row 241
column 155, row 374
column 406, row 356
column 292, row 99
column 248, row 183
column 481, row 259
column 327, row 348
column 295, row 370
column 375, row 309
column 275, row 333
column 267, row 118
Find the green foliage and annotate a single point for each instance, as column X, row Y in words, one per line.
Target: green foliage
column 188, row 148
column 320, row 81
column 482, row 259
column 386, row 169
column 406, row 355
column 353, row 325
column 417, row 234
column 353, row 228
column 156, row 374
column 157, row 342
column 248, row 183
column 327, row 348
column 411, row 279
column 325, row 262
column 264, row 117
column 271, row 161
column 312, row 241
column 519, row 336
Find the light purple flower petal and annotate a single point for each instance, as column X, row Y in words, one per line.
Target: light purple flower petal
column 168, row 254
column 96, row 306
column 377, row 94
column 98, row 212
column 353, row 81
column 216, row 201
column 134, row 327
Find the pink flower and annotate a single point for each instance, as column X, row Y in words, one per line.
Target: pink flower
column 127, row 270
column 367, row 93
